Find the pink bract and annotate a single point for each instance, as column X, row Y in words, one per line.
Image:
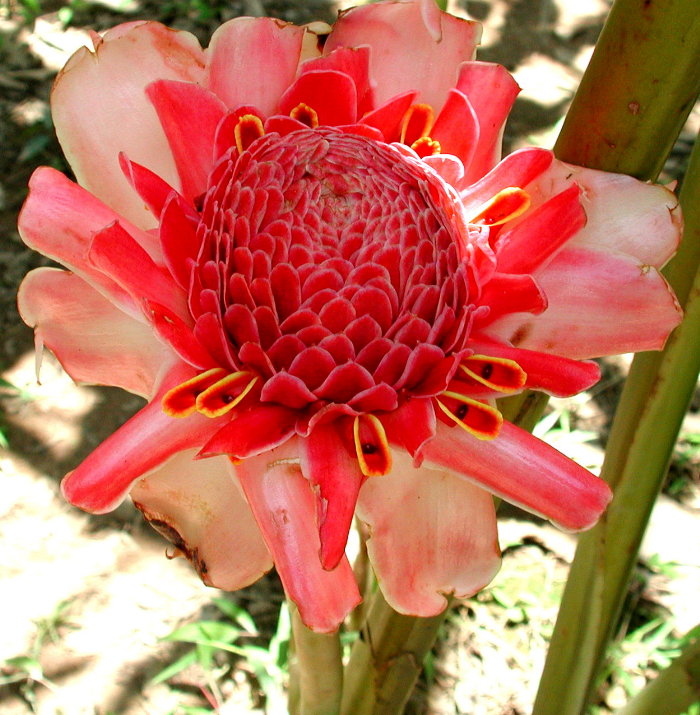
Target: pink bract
column 308, row 258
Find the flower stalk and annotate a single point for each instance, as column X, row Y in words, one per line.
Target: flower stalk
column 317, row 675
column 653, row 404
column 387, row 659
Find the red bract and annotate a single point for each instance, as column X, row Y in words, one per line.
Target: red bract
column 312, row 265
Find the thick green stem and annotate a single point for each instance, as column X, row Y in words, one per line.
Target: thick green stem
column 524, row 409
column 651, row 410
column 675, row 689
column 317, row 675
column 640, row 85
column 387, row 659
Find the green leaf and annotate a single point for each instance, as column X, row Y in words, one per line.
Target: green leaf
column 27, row 665
column 279, row 643
column 237, row 615
column 204, row 632
column 174, row 668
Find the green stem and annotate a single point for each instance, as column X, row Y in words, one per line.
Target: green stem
column 651, row 410
column 640, row 85
column 387, row 659
column 317, row 675
column 675, row 689
column 524, row 409
column 363, row 575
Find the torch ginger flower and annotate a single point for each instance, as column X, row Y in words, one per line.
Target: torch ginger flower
column 308, row 259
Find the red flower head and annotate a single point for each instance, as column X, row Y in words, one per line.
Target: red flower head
column 312, row 265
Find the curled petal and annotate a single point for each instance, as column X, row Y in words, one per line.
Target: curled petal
column 95, row 342
column 283, row 505
column 431, row 534
column 330, row 467
column 252, row 61
column 558, row 376
column 141, row 445
column 522, row 470
column 371, row 445
column 123, row 65
column 181, row 400
column 413, row 47
column 599, row 304
column 199, row 507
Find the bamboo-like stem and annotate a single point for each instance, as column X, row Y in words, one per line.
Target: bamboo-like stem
column 524, row 409
column 317, row 675
column 387, row 659
column 651, row 410
column 673, row 690
column 363, row 575
column 640, row 85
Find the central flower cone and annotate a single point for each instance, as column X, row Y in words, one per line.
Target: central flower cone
column 330, row 266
